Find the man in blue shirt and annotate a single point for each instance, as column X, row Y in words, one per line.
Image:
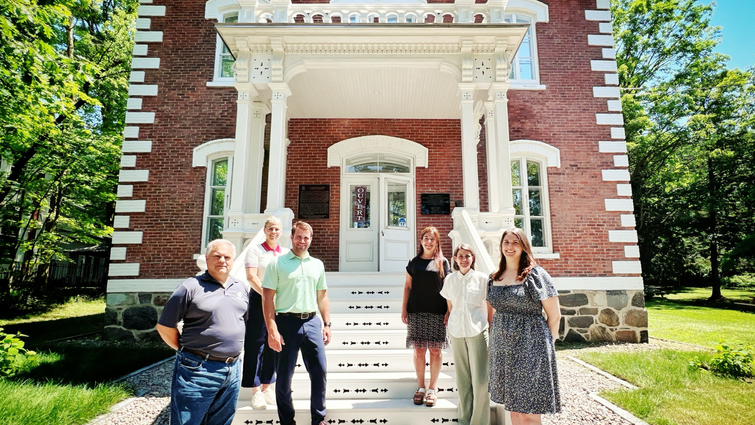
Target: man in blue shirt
column 213, row 308
column 293, row 289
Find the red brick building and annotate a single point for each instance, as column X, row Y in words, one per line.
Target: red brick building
column 371, row 120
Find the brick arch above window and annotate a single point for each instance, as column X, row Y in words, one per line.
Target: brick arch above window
column 208, row 151
column 387, row 144
column 550, row 154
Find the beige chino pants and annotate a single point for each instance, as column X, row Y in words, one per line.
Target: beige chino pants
column 472, row 377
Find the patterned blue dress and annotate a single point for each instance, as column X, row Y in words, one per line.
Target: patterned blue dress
column 522, row 355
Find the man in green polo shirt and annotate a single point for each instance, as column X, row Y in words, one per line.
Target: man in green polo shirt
column 293, row 289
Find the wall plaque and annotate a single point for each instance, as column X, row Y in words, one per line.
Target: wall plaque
column 314, row 201
column 436, row 203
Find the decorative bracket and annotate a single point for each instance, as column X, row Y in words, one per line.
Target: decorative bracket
column 502, row 63
column 278, row 46
column 241, row 65
column 467, row 63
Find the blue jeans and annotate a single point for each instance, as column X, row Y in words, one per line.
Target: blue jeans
column 304, row 335
column 203, row 392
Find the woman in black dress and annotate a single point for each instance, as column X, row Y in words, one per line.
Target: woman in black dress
column 522, row 353
column 424, row 311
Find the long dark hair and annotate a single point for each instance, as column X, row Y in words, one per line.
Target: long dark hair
column 526, row 261
column 438, row 254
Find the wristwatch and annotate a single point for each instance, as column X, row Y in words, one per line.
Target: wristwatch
column 326, row 324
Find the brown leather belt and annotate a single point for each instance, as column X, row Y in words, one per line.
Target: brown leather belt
column 207, row 356
column 302, row 316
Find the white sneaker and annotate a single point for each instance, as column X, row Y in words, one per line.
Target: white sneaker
column 269, row 394
column 258, row 401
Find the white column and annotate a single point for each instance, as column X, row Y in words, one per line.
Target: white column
column 471, row 182
column 491, row 149
column 501, row 117
column 276, row 182
column 255, row 159
column 243, row 133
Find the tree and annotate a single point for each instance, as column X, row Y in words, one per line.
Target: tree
column 64, row 67
column 690, row 139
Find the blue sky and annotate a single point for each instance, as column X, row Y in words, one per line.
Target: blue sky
column 735, row 16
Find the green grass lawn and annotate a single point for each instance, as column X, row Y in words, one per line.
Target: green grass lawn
column 682, row 317
column 672, row 393
column 73, row 307
column 33, row 403
column 70, row 382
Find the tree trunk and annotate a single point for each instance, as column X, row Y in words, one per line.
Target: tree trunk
column 715, row 278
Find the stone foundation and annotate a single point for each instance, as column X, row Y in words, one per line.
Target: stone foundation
column 586, row 316
column 132, row 316
column 603, row 316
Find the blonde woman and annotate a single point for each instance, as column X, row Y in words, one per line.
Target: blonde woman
column 522, row 353
column 465, row 291
column 424, row 311
column 260, row 362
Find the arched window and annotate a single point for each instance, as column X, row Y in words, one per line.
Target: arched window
column 392, row 19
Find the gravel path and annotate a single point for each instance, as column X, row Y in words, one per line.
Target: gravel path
column 578, row 385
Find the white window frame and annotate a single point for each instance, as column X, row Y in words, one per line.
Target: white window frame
column 542, row 162
column 217, row 77
column 211, row 160
column 515, row 67
column 205, row 155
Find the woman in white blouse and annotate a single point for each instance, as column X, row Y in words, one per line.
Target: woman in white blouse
column 468, row 319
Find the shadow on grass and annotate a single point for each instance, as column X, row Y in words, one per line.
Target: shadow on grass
column 41, row 332
column 686, row 304
column 92, row 362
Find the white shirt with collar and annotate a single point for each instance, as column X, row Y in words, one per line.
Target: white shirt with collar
column 467, row 293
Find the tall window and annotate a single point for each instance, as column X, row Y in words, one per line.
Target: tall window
column 530, row 200
column 524, row 66
column 224, row 62
column 218, row 180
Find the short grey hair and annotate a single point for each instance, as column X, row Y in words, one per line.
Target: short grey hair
column 272, row 220
column 211, row 246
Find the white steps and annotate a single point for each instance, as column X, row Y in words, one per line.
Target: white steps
column 371, row 378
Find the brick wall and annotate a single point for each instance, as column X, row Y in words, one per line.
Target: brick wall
column 187, row 114
column 307, row 164
column 564, row 117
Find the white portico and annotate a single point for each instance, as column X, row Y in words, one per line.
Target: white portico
column 396, row 71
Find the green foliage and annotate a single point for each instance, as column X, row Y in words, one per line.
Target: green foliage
column 729, row 361
column 64, row 67
column 13, row 355
column 745, row 280
column 689, row 125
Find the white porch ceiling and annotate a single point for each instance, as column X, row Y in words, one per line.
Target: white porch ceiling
column 371, row 70
column 374, row 93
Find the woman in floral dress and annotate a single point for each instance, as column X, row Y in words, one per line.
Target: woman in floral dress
column 522, row 353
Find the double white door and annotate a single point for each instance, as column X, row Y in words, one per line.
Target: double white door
column 377, row 223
